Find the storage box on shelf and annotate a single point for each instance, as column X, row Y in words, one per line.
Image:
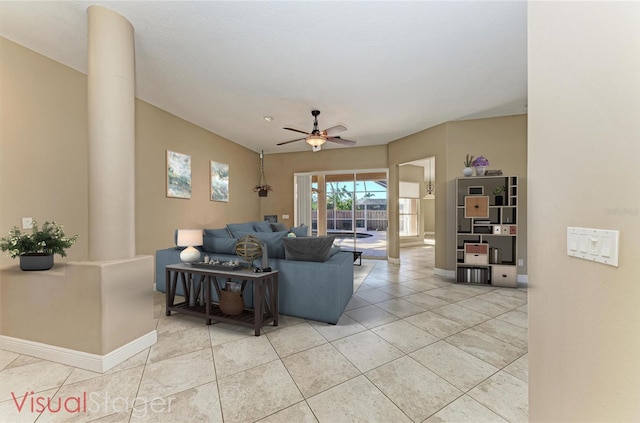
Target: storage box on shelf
column 487, row 231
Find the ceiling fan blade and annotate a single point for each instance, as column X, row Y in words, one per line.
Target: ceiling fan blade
column 342, row 141
column 334, row 130
column 296, row 130
column 287, row 142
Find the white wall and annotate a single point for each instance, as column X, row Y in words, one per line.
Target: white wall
column 584, row 147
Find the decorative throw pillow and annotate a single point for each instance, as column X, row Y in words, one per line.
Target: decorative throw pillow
column 263, row 226
column 219, row 245
column 275, row 248
column 278, row 227
column 218, row 233
column 309, row 248
column 236, row 228
column 300, row 230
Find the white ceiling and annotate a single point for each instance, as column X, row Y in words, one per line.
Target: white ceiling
column 383, row 69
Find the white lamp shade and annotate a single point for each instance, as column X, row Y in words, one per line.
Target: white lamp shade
column 189, row 237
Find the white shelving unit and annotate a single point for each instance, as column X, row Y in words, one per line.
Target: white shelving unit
column 487, row 231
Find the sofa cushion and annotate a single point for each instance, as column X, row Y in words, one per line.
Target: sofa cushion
column 278, row 227
column 275, row 247
column 301, row 231
column 218, row 233
column 263, row 226
column 309, row 248
column 218, row 245
column 236, row 228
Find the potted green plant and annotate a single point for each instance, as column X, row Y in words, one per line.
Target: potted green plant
column 468, row 170
column 498, row 193
column 36, row 249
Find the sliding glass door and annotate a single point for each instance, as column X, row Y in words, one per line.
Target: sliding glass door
column 353, row 208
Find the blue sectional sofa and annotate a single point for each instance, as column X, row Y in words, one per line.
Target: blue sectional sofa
column 308, row 289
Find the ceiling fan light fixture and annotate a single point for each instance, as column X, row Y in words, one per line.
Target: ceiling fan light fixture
column 315, row 140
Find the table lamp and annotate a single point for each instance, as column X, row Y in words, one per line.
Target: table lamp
column 189, row 238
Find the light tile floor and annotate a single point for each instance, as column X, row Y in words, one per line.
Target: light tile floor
column 411, row 347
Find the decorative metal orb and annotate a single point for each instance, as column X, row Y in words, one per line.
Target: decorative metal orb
column 249, row 248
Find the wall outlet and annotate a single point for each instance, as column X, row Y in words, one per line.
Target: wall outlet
column 27, row 223
column 520, row 262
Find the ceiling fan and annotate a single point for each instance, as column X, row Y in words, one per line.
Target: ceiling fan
column 316, row 138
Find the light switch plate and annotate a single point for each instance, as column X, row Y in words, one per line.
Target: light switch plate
column 27, row 223
column 599, row 245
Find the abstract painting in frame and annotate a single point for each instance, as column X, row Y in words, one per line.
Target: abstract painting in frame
column 178, row 175
column 219, row 181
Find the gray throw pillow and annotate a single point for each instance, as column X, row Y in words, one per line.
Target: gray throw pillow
column 300, row 231
column 218, row 233
column 263, row 226
column 278, row 227
column 309, row 248
column 236, row 228
column 219, row 245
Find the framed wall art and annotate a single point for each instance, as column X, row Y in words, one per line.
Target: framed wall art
column 178, row 175
column 219, row 177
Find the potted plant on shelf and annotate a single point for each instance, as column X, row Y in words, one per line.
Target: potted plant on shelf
column 468, row 170
column 498, row 193
column 36, row 249
column 480, row 163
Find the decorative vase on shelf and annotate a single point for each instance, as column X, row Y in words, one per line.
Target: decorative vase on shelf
column 480, row 170
column 467, row 171
column 36, row 261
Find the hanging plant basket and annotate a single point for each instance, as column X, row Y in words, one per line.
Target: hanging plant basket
column 262, row 188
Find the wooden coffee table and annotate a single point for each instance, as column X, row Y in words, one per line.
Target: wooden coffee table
column 265, row 294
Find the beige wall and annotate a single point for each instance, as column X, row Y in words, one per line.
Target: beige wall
column 279, row 170
column 428, row 208
column 157, row 216
column 44, row 159
column 584, row 324
column 427, row 143
column 43, row 144
column 503, row 141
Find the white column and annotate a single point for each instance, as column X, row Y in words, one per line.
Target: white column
column 111, row 110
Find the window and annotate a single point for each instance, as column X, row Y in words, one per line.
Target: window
column 408, row 208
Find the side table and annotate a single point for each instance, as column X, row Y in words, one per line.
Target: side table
column 357, row 256
column 265, row 294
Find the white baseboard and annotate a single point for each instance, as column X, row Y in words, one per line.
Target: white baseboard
column 81, row 359
column 449, row 274
column 393, row 260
